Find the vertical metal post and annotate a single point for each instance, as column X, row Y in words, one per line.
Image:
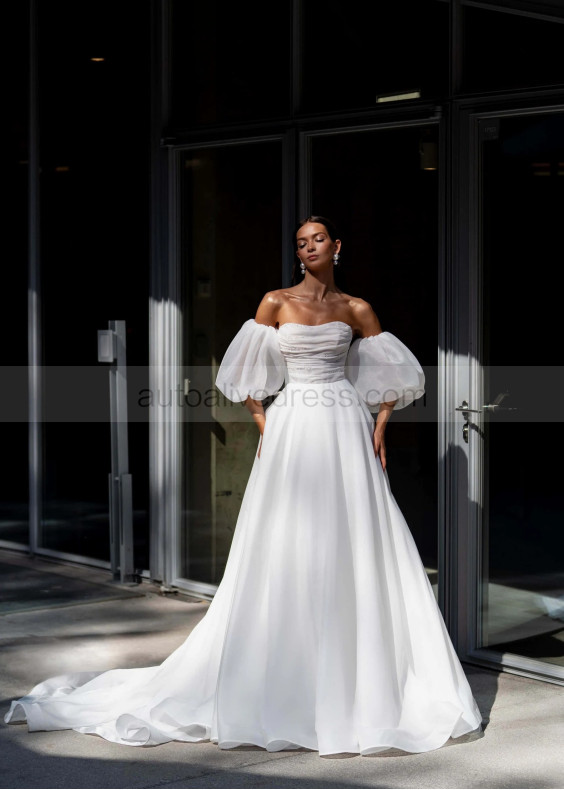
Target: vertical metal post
column 34, row 296
column 119, row 481
column 161, row 22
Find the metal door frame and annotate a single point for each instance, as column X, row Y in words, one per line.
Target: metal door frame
column 467, row 460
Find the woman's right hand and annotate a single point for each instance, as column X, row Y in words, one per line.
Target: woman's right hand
column 379, row 445
column 261, row 436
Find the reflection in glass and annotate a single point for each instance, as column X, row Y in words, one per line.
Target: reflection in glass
column 231, row 223
column 507, row 50
column 94, row 246
column 353, row 52
column 230, row 61
column 523, row 540
column 14, row 510
column 376, row 186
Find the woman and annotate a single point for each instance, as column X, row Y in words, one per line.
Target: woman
column 324, row 632
column 317, row 300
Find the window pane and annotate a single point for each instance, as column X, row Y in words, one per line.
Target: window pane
column 231, row 219
column 376, row 187
column 522, row 586
column 230, row 61
column 502, row 51
column 13, row 315
column 354, row 51
column 94, row 245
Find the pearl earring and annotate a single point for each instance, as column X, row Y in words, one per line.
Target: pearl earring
column 336, row 257
column 302, row 267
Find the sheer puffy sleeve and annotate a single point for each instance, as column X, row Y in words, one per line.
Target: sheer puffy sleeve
column 253, row 364
column 381, row 368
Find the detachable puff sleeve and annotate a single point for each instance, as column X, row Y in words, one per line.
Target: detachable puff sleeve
column 382, row 369
column 253, row 364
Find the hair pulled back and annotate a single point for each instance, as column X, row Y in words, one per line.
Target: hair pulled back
column 330, row 227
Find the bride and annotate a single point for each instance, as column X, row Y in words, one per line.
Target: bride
column 324, row 632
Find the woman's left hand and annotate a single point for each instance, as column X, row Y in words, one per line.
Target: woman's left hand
column 379, row 447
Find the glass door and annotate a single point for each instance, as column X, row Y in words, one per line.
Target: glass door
column 381, row 188
column 88, row 264
column 230, row 228
column 513, row 429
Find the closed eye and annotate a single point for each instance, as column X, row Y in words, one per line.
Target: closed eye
column 301, row 246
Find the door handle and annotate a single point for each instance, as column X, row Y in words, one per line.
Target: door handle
column 495, row 406
column 487, row 407
column 465, row 409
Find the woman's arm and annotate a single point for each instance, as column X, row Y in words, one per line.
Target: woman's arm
column 365, row 319
column 257, row 410
column 368, row 324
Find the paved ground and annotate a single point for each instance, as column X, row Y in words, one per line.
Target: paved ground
column 523, row 744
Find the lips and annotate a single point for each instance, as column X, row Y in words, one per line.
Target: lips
column 312, row 257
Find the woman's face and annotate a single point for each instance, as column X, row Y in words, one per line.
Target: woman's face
column 315, row 247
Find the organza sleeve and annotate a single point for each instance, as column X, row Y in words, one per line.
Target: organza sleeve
column 381, row 369
column 253, row 364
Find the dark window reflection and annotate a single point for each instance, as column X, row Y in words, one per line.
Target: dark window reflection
column 376, row 187
column 94, row 95
column 13, row 315
column 354, row 51
column 523, row 541
column 504, row 50
column 230, row 61
column 231, row 221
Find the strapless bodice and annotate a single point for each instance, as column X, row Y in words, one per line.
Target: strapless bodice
column 260, row 358
column 315, row 353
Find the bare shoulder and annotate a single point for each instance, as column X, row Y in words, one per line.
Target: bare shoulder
column 365, row 320
column 270, row 304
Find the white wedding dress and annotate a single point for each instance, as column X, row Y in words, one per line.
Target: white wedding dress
column 324, row 632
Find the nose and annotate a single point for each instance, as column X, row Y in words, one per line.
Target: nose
column 311, row 246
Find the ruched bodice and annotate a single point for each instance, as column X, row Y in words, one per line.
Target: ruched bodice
column 260, row 358
column 316, row 353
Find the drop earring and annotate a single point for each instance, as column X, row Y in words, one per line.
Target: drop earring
column 302, row 267
column 336, row 257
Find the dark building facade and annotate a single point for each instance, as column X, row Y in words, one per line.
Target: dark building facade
column 159, row 154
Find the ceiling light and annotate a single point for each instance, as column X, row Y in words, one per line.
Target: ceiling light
column 385, row 97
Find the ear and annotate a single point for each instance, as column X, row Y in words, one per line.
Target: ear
column 338, row 245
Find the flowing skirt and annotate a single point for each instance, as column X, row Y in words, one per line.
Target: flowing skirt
column 324, row 632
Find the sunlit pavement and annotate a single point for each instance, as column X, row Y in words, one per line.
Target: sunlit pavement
column 58, row 618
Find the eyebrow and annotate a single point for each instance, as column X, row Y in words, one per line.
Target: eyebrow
column 304, row 238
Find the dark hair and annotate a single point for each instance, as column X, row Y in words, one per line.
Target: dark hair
column 330, row 227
